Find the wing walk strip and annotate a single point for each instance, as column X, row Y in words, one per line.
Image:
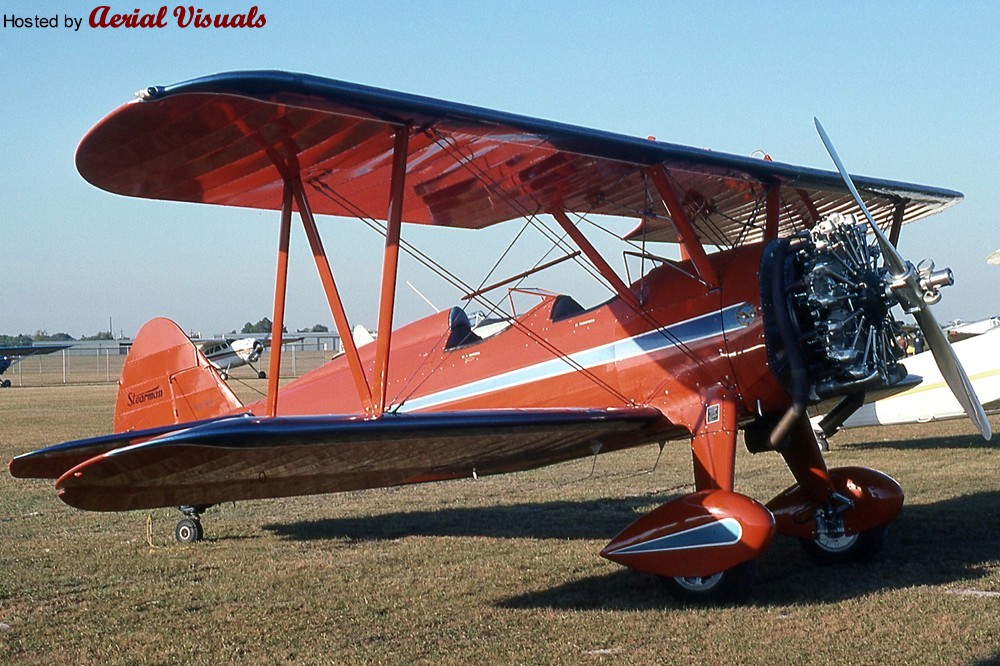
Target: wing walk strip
column 662, row 339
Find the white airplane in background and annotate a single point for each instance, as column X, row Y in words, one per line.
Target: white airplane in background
column 228, row 353
column 962, row 330
column 931, row 400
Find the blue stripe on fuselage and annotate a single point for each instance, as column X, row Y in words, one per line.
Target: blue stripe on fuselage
column 658, row 340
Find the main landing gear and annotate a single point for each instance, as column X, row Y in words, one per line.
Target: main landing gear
column 728, row 584
column 832, row 545
column 189, row 528
column 702, row 545
column 854, row 548
column 705, row 544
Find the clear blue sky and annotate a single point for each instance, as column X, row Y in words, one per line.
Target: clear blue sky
column 908, row 91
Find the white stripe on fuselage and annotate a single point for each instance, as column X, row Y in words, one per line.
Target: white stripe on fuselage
column 689, row 331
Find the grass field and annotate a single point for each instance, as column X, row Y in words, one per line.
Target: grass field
column 495, row 570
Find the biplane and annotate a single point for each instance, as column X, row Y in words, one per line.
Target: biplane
column 779, row 299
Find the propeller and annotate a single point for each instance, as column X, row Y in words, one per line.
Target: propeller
column 917, row 289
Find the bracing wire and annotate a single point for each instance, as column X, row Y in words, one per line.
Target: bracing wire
column 460, row 284
column 469, row 163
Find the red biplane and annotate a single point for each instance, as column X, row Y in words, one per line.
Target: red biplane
column 779, row 299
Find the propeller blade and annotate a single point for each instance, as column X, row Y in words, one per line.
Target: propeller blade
column 897, row 265
column 901, row 271
column 952, row 371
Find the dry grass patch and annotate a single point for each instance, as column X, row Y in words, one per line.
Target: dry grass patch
column 503, row 569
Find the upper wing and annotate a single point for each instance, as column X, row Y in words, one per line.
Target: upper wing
column 234, row 138
column 248, row 457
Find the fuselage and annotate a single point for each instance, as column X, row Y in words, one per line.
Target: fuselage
column 557, row 354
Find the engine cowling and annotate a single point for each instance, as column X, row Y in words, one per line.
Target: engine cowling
column 827, row 312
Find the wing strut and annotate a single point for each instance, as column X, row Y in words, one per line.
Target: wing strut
column 280, row 288
column 333, row 299
column 685, row 232
column 814, row 214
column 294, row 191
column 390, row 265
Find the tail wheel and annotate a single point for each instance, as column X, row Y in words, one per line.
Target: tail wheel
column 860, row 547
column 730, row 584
column 188, row 530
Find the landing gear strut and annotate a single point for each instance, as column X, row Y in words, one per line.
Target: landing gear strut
column 189, row 528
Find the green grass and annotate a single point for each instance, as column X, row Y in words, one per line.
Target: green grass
column 496, row 570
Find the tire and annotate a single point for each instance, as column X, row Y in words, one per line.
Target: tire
column 730, row 584
column 188, row 530
column 261, row 375
column 860, row 547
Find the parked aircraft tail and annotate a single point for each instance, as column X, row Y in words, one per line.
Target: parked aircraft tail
column 167, row 380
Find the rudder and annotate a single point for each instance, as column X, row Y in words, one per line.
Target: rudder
column 167, row 380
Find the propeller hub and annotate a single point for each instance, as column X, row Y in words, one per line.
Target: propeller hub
column 872, row 294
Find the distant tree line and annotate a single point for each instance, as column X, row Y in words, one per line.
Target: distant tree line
column 265, row 324
column 25, row 340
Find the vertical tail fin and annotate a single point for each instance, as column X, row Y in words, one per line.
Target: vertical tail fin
column 167, row 380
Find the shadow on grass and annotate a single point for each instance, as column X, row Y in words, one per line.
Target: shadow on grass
column 937, row 443
column 594, row 519
column 945, row 543
column 932, row 544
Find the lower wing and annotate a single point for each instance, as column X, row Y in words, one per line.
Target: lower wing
column 246, row 457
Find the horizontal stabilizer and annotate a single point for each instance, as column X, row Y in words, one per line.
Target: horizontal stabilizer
column 248, row 457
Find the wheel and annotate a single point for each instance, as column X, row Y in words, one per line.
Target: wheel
column 729, row 584
column 188, row 530
column 261, row 374
column 859, row 547
column 224, row 375
column 5, row 383
column 824, row 443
